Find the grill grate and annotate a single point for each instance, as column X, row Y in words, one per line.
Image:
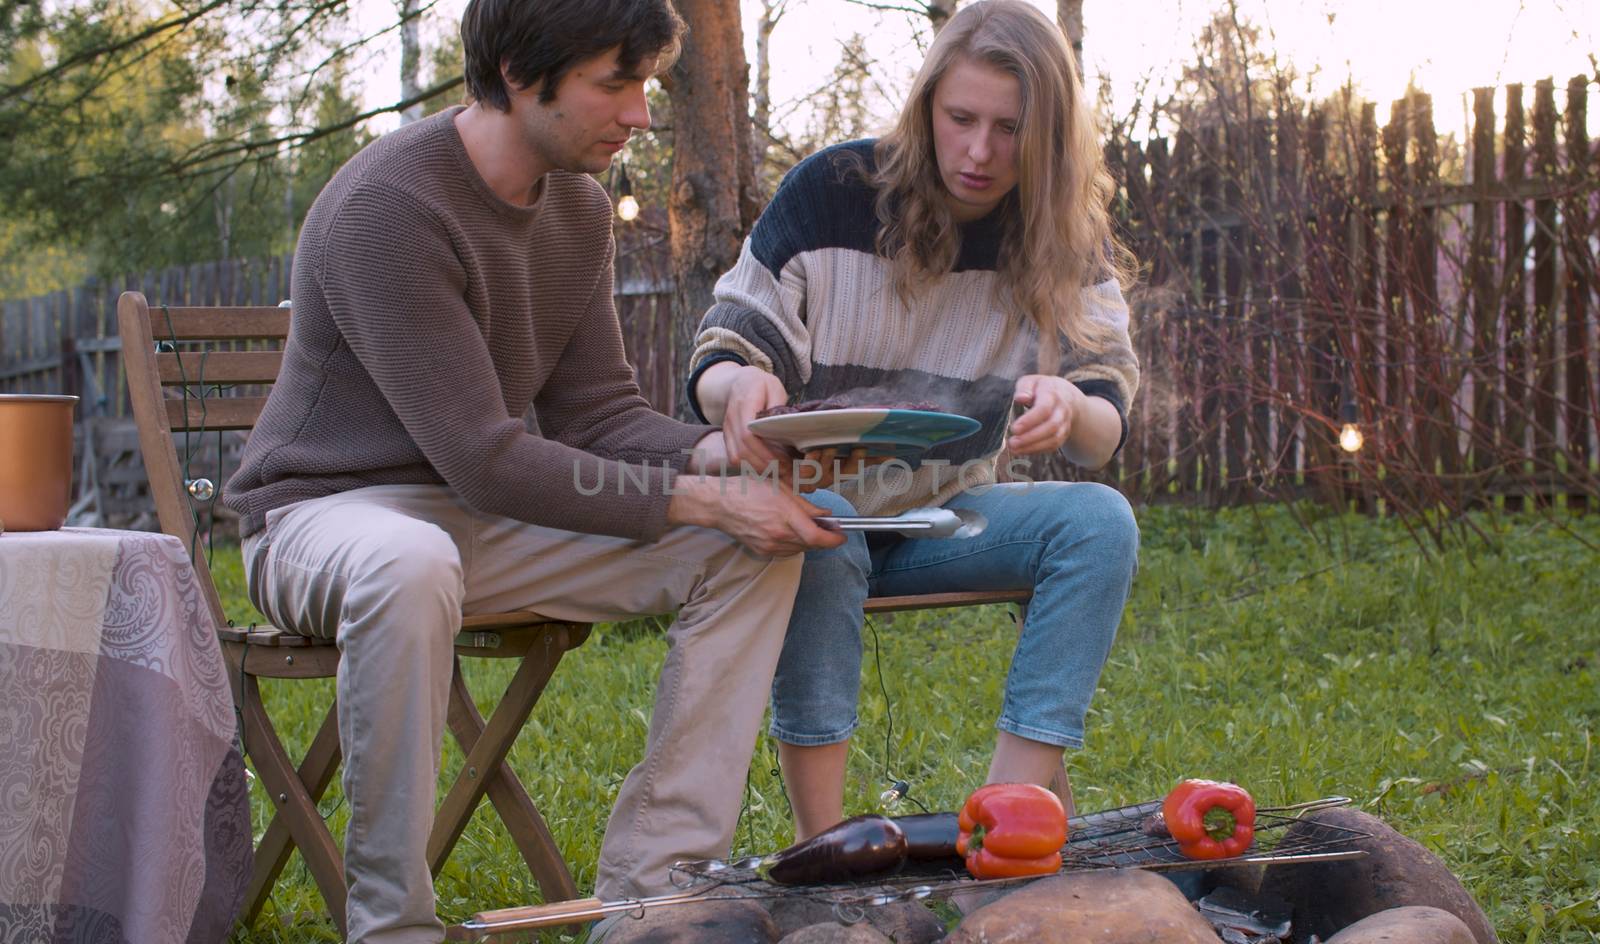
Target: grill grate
column 1108, row 839
column 1128, row 837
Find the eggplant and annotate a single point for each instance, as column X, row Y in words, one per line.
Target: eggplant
column 856, row 848
column 930, row 835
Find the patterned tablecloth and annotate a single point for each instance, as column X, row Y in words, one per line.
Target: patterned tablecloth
column 123, row 807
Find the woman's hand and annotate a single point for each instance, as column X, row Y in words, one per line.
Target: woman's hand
column 1053, row 405
column 750, row 391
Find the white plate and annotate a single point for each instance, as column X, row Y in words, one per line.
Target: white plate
column 882, row 431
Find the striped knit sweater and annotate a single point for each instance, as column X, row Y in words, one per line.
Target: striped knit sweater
column 811, row 301
column 429, row 315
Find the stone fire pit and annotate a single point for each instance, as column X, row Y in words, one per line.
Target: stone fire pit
column 1398, row 892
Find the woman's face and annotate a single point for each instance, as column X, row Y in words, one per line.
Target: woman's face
column 976, row 108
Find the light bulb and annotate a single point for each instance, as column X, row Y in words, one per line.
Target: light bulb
column 627, row 208
column 1350, row 438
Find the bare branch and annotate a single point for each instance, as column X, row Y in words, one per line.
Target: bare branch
column 922, row 10
column 339, row 52
column 302, row 138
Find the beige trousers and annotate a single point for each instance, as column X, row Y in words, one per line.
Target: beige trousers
column 387, row 571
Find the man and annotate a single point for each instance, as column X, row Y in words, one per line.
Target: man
column 451, row 275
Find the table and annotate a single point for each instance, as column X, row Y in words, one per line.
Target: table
column 124, row 811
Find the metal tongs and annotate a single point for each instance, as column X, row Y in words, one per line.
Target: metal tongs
column 916, row 523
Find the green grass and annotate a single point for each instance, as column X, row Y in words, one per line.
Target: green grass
column 1455, row 695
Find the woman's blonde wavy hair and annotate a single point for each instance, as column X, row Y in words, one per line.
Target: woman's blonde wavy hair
column 1061, row 240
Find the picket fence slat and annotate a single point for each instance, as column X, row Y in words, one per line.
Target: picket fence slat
column 1518, row 386
column 1578, row 258
column 1544, row 331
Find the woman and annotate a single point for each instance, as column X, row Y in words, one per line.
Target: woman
column 966, row 258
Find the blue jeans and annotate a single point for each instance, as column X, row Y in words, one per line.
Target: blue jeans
column 1075, row 544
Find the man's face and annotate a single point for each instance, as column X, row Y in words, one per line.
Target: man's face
column 598, row 104
column 976, row 109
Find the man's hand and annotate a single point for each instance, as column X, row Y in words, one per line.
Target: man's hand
column 1052, row 407
column 760, row 513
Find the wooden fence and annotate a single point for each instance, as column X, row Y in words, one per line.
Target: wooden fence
column 1307, row 271
column 1304, row 271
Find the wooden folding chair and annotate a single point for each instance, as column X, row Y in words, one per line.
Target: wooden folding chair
column 188, row 371
column 938, row 601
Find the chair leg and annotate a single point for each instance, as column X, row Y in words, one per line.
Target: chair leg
column 486, row 771
column 296, row 807
column 272, row 852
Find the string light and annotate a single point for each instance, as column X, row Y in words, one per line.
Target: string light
column 1350, row 438
column 627, row 206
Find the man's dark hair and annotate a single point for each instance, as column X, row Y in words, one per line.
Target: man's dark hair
column 539, row 41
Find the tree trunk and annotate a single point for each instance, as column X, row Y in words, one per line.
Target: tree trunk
column 222, row 208
column 1069, row 13
column 410, row 59
column 713, row 202
column 761, row 131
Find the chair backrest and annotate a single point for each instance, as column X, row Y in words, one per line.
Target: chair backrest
column 193, row 371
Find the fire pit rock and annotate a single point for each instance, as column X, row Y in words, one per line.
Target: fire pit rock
column 832, row 932
column 1121, row 906
column 1397, row 871
column 1413, row 925
column 906, row 923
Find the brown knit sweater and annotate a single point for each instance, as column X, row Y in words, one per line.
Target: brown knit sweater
column 428, row 315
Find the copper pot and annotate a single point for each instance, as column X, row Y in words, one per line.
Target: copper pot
column 35, row 461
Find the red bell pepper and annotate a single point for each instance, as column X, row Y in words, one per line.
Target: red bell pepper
column 1012, row 829
column 1210, row 820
